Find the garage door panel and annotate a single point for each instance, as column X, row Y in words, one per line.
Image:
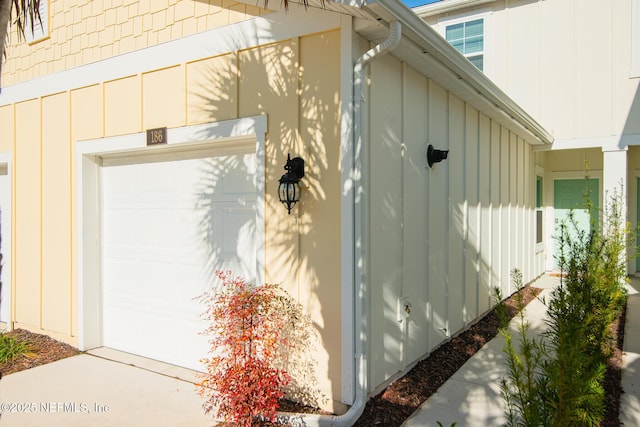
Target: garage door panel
column 157, row 305
column 138, row 341
column 141, row 226
column 140, row 274
column 167, row 224
column 237, row 227
column 240, row 178
column 161, row 256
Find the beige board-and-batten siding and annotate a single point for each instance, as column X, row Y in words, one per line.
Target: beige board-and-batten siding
column 440, row 238
column 295, row 83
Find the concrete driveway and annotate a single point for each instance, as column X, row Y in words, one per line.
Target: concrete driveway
column 102, row 388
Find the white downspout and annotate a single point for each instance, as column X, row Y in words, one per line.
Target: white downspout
column 361, row 223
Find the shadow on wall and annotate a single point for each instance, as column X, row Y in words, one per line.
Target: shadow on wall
column 475, row 232
column 632, row 133
column 226, row 214
column 632, row 125
column 265, row 80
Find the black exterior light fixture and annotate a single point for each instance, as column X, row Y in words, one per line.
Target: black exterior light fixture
column 435, row 156
column 289, row 188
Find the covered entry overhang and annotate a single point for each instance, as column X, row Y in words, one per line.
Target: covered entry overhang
column 611, row 161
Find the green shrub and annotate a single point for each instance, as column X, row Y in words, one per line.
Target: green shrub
column 581, row 311
column 557, row 381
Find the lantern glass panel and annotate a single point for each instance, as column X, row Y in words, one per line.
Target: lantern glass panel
column 289, row 192
column 282, row 191
column 294, row 192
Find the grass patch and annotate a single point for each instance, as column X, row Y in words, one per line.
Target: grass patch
column 11, row 348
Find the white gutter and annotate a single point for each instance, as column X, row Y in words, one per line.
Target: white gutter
column 446, row 6
column 361, row 223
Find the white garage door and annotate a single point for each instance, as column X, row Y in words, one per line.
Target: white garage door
column 168, row 222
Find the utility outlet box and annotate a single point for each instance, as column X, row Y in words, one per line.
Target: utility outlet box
column 403, row 309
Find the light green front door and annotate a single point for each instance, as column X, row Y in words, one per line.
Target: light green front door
column 568, row 195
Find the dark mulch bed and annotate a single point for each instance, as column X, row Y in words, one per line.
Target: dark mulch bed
column 42, row 350
column 613, row 377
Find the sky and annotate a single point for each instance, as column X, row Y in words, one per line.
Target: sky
column 414, row 3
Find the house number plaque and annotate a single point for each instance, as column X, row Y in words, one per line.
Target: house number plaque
column 157, row 136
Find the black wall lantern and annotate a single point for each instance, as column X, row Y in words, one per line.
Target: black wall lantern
column 435, row 156
column 289, row 188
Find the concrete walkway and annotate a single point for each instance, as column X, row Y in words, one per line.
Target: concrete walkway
column 630, row 404
column 94, row 390
column 471, row 397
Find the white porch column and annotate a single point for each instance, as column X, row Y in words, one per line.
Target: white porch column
column 614, row 182
column 614, row 177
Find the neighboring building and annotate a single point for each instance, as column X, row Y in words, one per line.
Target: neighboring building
column 575, row 66
column 107, row 239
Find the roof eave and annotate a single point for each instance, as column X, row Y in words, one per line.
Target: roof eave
column 446, row 6
column 464, row 75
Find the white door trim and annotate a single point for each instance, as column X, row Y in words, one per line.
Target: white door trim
column 6, row 159
column 88, row 169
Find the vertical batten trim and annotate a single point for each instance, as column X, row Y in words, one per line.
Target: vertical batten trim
column 478, row 219
column 71, row 215
column 447, row 222
column 403, row 113
column 41, row 314
column 14, row 246
column 465, row 212
column 429, row 306
column 347, row 229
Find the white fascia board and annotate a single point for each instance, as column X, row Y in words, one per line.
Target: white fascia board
column 446, row 6
column 605, row 143
column 430, row 42
column 578, row 143
column 258, row 31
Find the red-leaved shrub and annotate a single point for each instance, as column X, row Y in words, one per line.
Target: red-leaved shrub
column 241, row 381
